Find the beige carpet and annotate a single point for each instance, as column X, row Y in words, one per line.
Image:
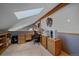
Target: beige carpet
column 27, row 49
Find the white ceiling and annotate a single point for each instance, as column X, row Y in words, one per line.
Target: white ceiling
column 8, row 19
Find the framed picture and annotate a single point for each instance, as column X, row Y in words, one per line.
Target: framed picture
column 49, row 22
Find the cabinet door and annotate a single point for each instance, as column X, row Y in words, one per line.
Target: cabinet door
column 28, row 37
column 43, row 41
column 54, row 46
column 51, row 46
column 58, row 47
column 21, row 38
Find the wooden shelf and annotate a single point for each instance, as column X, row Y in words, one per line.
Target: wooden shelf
column 1, row 44
column 0, row 38
column 3, row 41
column 2, row 50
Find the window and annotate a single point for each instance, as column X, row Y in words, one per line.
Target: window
column 27, row 13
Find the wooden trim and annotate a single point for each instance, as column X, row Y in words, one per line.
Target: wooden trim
column 67, row 52
column 58, row 7
column 63, row 53
column 71, row 33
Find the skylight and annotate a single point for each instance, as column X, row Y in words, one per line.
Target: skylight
column 27, row 13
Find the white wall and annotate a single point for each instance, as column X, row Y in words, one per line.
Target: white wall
column 70, row 12
column 9, row 21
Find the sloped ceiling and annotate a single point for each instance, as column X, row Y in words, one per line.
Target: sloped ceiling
column 8, row 20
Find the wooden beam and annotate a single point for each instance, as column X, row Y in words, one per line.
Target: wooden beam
column 52, row 11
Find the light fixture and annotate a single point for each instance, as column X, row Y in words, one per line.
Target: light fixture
column 27, row 13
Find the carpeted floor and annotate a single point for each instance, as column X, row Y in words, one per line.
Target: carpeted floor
column 27, row 49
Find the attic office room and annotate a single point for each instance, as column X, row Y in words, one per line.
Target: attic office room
column 39, row 29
